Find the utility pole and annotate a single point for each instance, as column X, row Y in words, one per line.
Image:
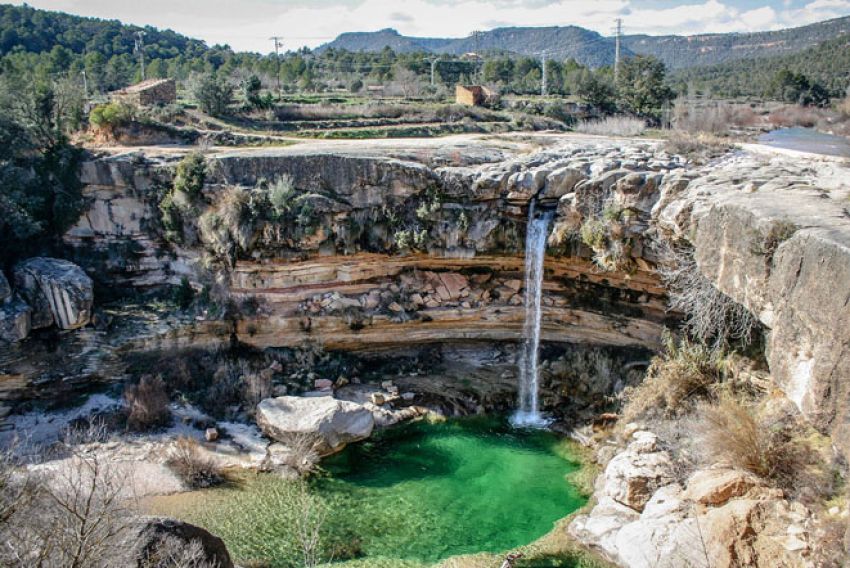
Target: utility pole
column 278, row 43
column 140, row 48
column 476, row 40
column 618, row 33
column 85, row 85
column 543, row 86
column 433, row 70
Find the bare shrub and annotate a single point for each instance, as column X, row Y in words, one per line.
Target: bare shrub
column 683, row 373
column 147, row 403
column 794, row 115
column 711, row 316
column 172, row 552
column 78, row 516
column 698, row 148
column 711, row 117
column 195, row 469
column 310, row 517
column 733, row 432
column 258, row 386
column 612, row 126
column 302, row 455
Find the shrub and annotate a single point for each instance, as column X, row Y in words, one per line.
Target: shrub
column 281, row 195
column 214, row 94
column 684, row 372
column 108, row 116
column 183, row 294
column 698, row 148
column 195, row 469
column 733, row 431
column 190, row 174
column 612, row 126
column 147, row 403
column 710, row 315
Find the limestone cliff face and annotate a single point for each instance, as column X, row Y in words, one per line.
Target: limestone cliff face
column 401, row 245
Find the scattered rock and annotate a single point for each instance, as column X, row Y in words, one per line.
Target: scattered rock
column 211, row 434
column 15, row 320
column 713, row 487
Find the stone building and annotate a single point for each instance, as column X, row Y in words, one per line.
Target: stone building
column 148, row 93
column 474, row 95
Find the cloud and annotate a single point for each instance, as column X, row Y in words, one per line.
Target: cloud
column 247, row 24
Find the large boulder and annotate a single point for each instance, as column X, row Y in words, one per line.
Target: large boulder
column 332, row 423
column 58, row 291
column 169, row 542
column 632, row 477
column 15, row 322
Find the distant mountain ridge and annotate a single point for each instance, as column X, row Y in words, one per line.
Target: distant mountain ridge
column 590, row 48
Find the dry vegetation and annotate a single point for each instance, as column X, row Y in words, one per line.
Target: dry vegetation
column 78, row 513
column 612, row 126
column 194, row 468
column 699, row 148
column 147, row 403
column 711, row 316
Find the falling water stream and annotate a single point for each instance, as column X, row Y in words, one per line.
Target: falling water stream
column 528, row 414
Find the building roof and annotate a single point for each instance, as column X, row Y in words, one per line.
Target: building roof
column 143, row 86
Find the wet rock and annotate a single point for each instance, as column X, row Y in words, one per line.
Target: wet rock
column 5, row 289
column 332, row 423
column 58, row 291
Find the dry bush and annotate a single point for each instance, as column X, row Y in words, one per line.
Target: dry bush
column 684, row 372
column 195, row 469
column 78, row 516
column 794, row 115
column 172, row 552
column 772, row 447
column 302, row 457
column 715, row 117
column 612, row 126
column 147, row 403
column 258, row 386
column 226, row 228
column 843, row 107
column 698, row 148
column 710, row 315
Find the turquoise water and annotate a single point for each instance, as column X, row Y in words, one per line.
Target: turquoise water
column 429, row 491
column 411, row 496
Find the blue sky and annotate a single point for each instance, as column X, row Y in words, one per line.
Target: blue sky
column 247, row 24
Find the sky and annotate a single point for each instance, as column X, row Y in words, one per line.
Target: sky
column 247, row 25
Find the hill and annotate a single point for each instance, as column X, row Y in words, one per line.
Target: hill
column 591, row 49
column 827, row 63
column 585, row 46
column 678, row 52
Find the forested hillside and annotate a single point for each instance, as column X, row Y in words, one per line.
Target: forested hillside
column 678, row 52
column 827, row 63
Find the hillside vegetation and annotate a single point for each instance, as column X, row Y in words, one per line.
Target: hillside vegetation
column 827, row 64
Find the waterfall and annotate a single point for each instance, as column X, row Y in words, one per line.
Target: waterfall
column 528, row 413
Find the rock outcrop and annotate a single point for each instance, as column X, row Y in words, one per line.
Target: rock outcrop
column 330, row 423
column 719, row 518
column 58, row 291
column 15, row 320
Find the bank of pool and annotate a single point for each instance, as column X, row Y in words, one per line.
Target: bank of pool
column 413, row 495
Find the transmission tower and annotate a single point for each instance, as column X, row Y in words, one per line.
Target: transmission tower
column 476, row 41
column 140, row 49
column 618, row 32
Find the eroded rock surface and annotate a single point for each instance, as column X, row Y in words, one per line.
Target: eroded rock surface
column 329, row 422
column 58, row 291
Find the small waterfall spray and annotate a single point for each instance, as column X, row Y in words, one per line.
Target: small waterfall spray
column 528, row 414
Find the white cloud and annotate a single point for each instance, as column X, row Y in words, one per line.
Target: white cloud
column 248, row 24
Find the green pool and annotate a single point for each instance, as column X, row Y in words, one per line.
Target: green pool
column 416, row 494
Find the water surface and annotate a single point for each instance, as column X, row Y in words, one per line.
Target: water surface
column 807, row 140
